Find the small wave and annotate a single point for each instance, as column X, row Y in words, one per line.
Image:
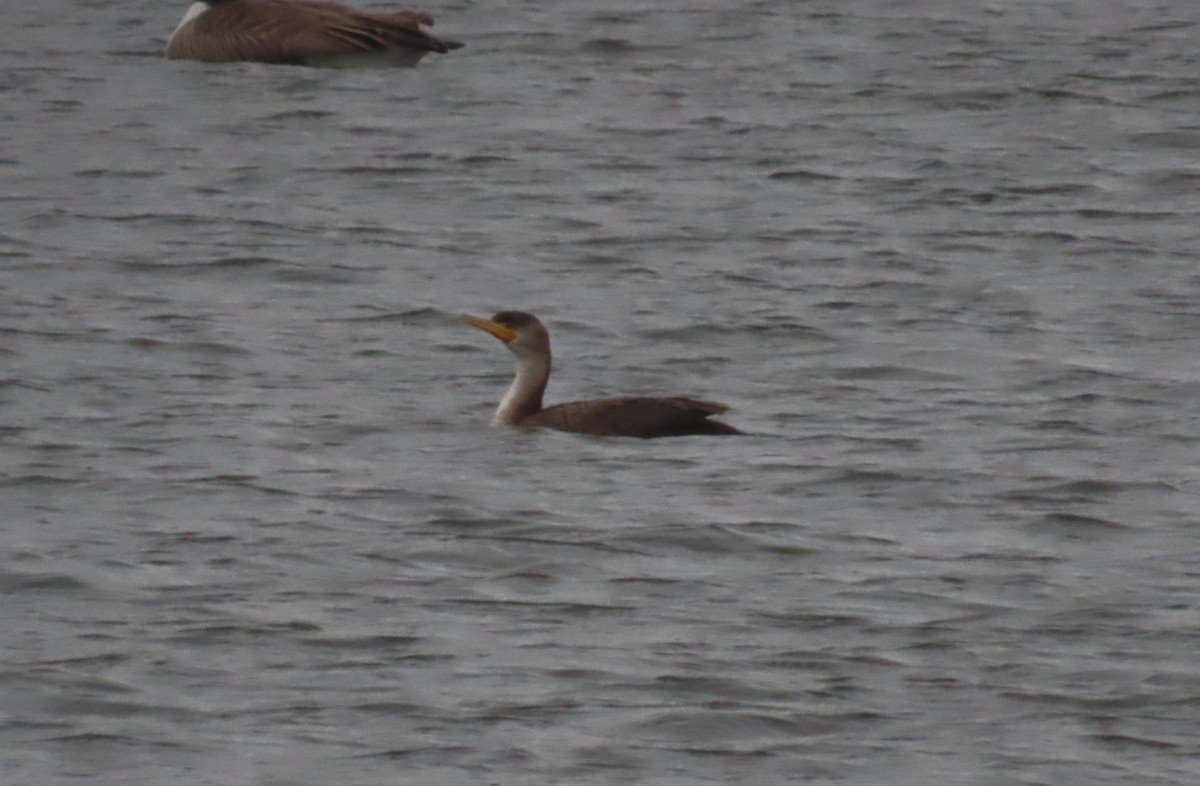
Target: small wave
column 608, row 46
column 203, row 347
column 386, row 642
column 743, row 731
column 40, row 582
column 889, row 371
column 801, row 174
column 1076, row 522
column 301, row 114
column 128, row 174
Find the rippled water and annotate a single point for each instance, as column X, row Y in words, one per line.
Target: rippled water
column 940, row 258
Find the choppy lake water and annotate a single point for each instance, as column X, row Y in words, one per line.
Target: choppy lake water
column 940, row 258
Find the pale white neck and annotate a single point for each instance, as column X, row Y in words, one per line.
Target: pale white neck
column 524, row 396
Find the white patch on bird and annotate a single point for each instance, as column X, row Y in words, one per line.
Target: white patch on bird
column 193, row 11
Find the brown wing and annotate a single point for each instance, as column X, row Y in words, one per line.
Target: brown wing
column 296, row 32
column 634, row 416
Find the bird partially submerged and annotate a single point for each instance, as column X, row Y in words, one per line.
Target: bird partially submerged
column 626, row 416
column 302, row 32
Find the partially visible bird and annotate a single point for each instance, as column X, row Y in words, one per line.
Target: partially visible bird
column 302, row 32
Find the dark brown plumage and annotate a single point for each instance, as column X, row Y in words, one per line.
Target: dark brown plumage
column 626, row 416
column 302, row 32
column 634, row 416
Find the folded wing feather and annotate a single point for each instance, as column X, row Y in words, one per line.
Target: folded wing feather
column 297, row 32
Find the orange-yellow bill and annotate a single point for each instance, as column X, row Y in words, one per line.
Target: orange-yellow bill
column 495, row 328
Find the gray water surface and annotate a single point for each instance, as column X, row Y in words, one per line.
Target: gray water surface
column 940, row 258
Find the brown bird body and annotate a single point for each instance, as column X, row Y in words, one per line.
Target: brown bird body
column 625, row 416
column 302, row 32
